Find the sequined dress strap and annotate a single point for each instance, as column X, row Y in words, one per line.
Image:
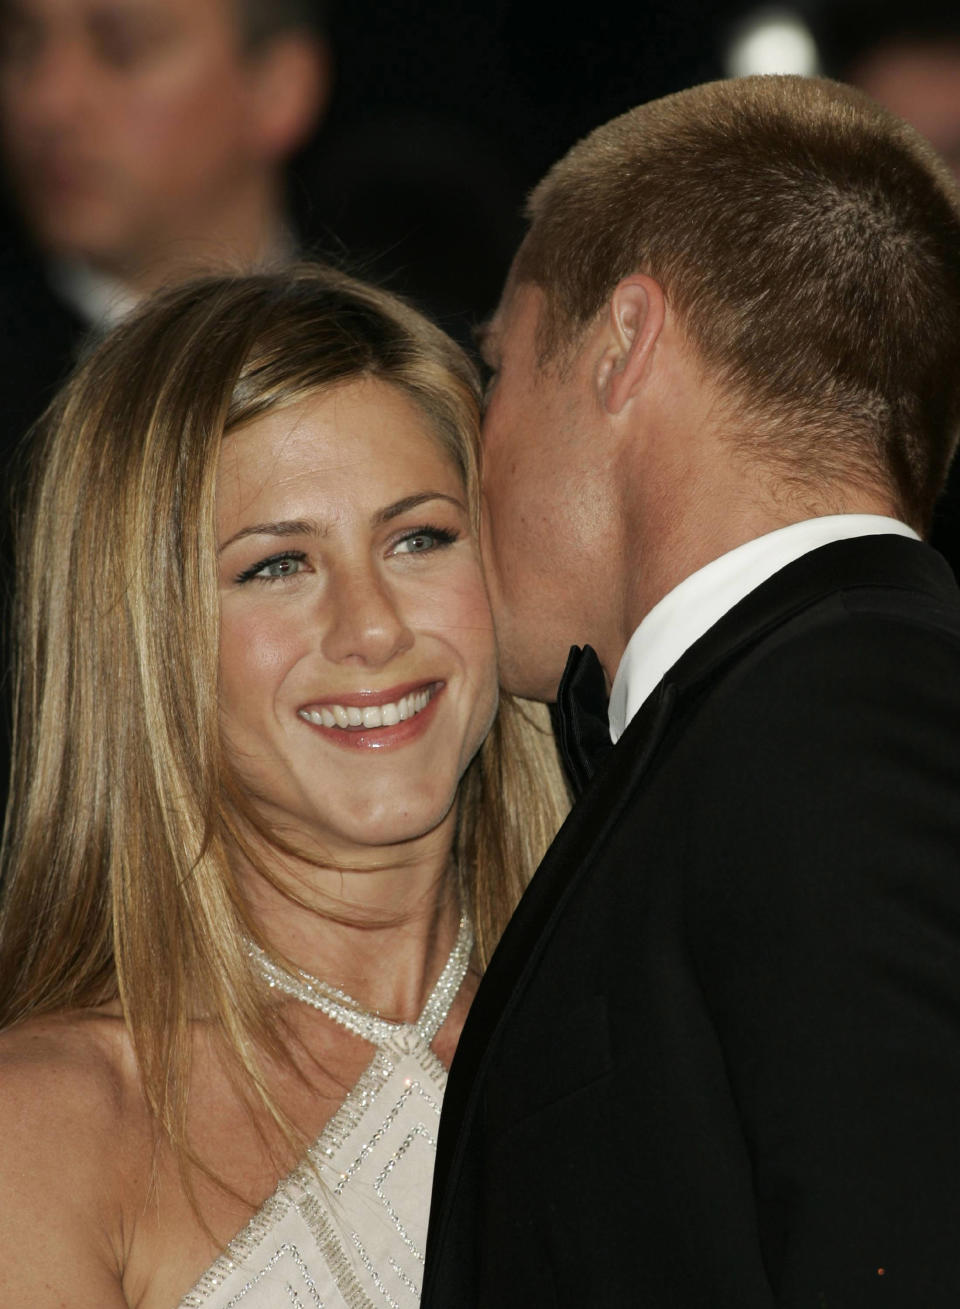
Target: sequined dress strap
column 349, row 1013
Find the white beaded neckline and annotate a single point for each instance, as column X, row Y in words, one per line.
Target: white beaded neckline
column 349, row 1013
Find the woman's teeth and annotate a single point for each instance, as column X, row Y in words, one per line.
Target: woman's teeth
column 378, row 715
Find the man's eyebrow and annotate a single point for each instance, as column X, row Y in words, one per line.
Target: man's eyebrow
column 312, row 527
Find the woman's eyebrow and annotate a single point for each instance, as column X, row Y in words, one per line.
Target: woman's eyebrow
column 411, row 502
column 312, row 527
column 285, row 527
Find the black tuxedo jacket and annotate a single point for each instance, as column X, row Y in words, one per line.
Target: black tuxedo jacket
column 715, row 1061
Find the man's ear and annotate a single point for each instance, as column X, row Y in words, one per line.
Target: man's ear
column 636, row 313
column 294, row 79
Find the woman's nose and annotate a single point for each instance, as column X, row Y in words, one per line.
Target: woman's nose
column 365, row 621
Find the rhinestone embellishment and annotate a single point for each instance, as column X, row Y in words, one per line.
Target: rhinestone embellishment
column 349, row 1013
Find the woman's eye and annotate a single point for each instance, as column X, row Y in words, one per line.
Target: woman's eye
column 280, row 568
column 424, row 539
column 277, row 566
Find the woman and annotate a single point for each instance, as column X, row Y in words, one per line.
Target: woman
column 253, row 827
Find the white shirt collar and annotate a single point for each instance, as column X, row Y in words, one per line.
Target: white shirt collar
column 101, row 301
column 691, row 609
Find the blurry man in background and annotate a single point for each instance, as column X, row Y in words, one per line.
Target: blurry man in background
column 144, row 140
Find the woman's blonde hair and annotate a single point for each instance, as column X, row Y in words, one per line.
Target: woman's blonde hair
column 117, row 883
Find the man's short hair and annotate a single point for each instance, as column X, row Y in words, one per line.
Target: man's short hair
column 263, row 20
column 809, row 244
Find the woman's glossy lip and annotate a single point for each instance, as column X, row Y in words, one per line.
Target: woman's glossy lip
column 382, row 737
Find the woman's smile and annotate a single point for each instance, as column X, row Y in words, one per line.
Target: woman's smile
column 375, row 720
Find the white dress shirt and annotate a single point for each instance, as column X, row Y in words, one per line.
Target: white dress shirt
column 100, row 300
column 691, row 609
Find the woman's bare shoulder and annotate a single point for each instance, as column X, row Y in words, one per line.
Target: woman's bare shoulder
column 72, row 1124
column 63, row 1072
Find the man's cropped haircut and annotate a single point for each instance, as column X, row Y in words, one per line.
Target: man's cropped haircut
column 808, row 242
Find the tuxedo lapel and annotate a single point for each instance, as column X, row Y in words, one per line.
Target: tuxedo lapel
column 890, row 563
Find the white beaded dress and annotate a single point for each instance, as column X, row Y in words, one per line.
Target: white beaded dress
column 357, row 1240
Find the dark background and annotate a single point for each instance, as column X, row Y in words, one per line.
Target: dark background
column 443, row 117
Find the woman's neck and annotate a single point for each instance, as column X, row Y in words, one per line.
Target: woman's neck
column 380, row 930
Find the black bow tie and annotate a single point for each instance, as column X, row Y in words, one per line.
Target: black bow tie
column 583, row 731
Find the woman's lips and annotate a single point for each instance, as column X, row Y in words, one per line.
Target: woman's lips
column 375, row 719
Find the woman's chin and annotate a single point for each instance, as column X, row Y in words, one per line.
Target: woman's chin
column 388, row 830
column 359, row 830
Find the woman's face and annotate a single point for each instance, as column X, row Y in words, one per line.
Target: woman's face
column 357, row 663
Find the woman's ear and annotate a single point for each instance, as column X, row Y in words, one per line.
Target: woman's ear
column 635, row 320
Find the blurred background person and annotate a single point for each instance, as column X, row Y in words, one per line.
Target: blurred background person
column 143, row 140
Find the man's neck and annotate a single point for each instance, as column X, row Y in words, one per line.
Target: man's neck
column 266, row 244
column 703, row 527
column 248, row 231
column 103, row 298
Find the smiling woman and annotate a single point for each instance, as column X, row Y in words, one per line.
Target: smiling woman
column 374, row 607
column 266, row 797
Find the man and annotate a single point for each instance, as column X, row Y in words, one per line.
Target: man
column 715, row 1061
column 144, row 141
